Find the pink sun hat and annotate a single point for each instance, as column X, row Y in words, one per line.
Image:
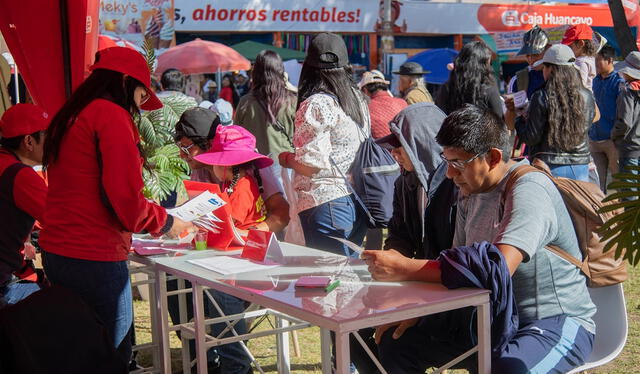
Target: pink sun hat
column 233, row 145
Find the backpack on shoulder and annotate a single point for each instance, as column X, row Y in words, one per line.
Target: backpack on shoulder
column 373, row 175
column 583, row 201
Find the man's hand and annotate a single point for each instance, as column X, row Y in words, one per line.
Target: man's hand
column 387, row 265
column 399, row 330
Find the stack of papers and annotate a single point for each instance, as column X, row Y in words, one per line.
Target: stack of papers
column 227, row 265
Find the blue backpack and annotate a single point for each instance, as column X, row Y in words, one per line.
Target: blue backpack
column 373, row 172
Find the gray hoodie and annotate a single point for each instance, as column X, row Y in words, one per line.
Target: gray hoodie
column 416, row 127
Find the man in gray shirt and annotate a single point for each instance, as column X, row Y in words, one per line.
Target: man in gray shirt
column 555, row 332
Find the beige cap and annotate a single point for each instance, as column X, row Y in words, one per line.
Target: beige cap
column 373, row 76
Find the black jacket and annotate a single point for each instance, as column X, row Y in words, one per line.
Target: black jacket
column 424, row 200
column 626, row 130
column 533, row 131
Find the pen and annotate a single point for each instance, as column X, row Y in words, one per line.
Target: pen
column 332, row 286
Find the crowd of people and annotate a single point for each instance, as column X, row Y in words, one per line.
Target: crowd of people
column 260, row 137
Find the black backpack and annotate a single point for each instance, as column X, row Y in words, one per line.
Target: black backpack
column 373, row 172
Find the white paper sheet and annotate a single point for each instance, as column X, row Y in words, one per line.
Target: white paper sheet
column 226, row 265
column 197, row 207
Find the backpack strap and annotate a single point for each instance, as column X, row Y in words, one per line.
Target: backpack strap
column 582, row 265
column 516, row 174
column 522, row 79
column 351, row 190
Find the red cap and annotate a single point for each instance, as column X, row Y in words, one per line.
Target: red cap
column 23, row 119
column 129, row 62
column 577, row 32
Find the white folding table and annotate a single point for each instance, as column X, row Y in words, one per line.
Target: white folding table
column 358, row 302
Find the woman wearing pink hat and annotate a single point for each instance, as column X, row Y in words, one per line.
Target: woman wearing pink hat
column 95, row 199
column 235, row 163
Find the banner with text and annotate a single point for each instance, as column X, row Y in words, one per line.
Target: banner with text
column 408, row 16
column 276, row 15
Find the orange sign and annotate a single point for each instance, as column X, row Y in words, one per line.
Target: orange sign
column 501, row 18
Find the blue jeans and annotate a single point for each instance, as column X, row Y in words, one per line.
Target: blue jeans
column 105, row 286
column 341, row 218
column 17, row 291
column 232, row 357
column 551, row 345
column 577, row 172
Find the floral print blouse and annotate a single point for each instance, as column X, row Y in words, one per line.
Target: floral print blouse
column 324, row 130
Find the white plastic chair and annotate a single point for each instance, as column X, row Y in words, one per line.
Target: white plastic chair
column 611, row 326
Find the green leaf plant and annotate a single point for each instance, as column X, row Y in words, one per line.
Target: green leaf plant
column 623, row 230
column 163, row 170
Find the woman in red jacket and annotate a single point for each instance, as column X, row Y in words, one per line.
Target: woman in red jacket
column 95, row 196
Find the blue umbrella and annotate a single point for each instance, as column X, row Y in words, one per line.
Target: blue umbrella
column 435, row 61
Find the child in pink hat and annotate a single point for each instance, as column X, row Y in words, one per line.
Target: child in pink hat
column 235, row 163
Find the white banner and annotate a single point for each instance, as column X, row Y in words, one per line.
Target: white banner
column 276, row 15
column 408, row 16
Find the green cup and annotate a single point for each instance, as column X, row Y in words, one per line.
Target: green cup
column 201, row 240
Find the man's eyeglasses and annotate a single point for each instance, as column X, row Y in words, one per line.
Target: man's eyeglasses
column 185, row 149
column 460, row 164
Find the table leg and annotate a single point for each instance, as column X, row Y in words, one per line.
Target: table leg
column 325, row 350
column 282, row 343
column 343, row 361
column 484, row 339
column 161, row 326
column 153, row 315
column 198, row 320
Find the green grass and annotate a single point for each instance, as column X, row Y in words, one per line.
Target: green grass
column 264, row 349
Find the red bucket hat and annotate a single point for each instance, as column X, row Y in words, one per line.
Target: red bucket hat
column 577, row 32
column 233, row 145
column 23, row 119
column 127, row 61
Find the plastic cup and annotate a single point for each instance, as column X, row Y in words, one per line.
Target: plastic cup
column 201, row 240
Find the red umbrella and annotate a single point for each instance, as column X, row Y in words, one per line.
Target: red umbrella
column 200, row 56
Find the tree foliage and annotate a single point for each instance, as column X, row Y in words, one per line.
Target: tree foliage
column 623, row 230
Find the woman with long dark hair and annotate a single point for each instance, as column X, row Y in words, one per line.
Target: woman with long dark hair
column 559, row 117
column 95, row 201
column 269, row 109
column 471, row 81
column 331, row 122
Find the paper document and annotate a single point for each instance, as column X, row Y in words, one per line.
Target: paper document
column 226, row 265
column 353, row 246
column 199, row 207
column 520, row 99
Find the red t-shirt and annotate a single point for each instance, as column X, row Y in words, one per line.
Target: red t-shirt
column 91, row 209
column 29, row 189
column 247, row 206
column 382, row 109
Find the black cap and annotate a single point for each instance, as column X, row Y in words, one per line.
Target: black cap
column 327, row 51
column 411, row 68
column 390, row 141
column 534, row 41
column 197, row 122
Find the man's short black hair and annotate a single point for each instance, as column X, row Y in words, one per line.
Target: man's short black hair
column 172, row 80
column 475, row 131
column 13, row 143
column 607, row 52
column 375, row 87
